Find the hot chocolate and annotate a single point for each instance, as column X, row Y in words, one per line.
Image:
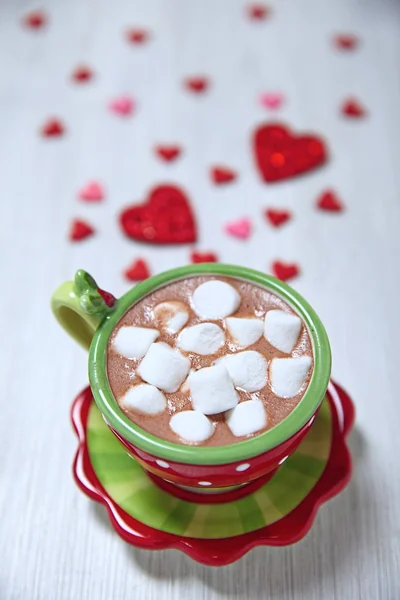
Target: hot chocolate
column 209, row 360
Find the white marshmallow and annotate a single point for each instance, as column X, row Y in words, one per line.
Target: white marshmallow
column 212, row 391
column 215, row 300
column 247, row 369
column 133, row 342
column 245, row 331
column 145, row 398
column 191, row 425
column 172, row 315
column 164, row 367
column 204, row 339
column 247, row 417
column 287, row 375
column 282, row 330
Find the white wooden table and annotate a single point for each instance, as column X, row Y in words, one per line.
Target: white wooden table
column 56, row 544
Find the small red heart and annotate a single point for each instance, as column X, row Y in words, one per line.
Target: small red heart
column 91, row 192
column 281, row 154
column 168, row 153
column 353, row 108
column 346, row 41
column 203, row 257
column 329, row 201
column 108, row 298
column 82, row 74
column 35, row 20
column 285, row 271
column 52, row 128
column 197, row 84
column 277, row 217
column 258, row 12
column 138, row 271
column 221, row 175
column 80, row 230
column 137, row 36
column 166, row 218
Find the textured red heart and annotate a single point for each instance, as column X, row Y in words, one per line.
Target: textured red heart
column 53, row 128
column 329, row 201
column 197, row 84
column 277, row 217
column 258, row 12
column 281, row 154
column 35, row 20
column 138, row 271
column 168, row 153
column 82, row 74
column 80, row 230
column 353, row 108
column 137, row 36
column 221, row 175
column 203, row 257
column 166, row 218
column 285, row 271
column 346, row 41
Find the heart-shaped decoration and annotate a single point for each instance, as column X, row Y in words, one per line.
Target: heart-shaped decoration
column 203, row 257
column 258, row 12
column 271, row 100
column 122, row 106
column 137, row 36
column 198, row 85
column 80, row 230
column 168, row 153
column 240, row 228
column 221, row 175
column 277, row 217
column 82, row 74
column 35, row 19
column 285, row 271
column 330, row 202
column 353, row 108
column 52, row 128
column 166, row 218
column 281, row 154
column 346, row 41
column 138, row 271
column 92, row 192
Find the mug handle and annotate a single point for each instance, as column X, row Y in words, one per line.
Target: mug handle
column 80, row 306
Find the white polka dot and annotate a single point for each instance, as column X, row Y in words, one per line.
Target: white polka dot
column 205, row 483
column 162, row 463
column 243, row 467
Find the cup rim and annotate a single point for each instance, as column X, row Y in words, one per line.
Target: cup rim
column 210, row 455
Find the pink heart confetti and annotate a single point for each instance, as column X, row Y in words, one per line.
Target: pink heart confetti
column 91, row 192
column 271, row 100
column 240, row 228
column 123, row 105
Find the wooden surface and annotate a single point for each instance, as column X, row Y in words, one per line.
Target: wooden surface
column 56, row 544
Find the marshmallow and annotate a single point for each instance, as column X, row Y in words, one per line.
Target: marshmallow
column 247, row 417
column 245, row 331
column 215, row 300
column 133, row 342
column 164, row 367
column 205, row 338
column 211, row 390
column 191, row 425
column 282, row 330
column 145, row 398
column 172, row 315
column 287, row 375
column 247, row 369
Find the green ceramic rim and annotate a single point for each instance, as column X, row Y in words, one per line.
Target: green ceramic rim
column 198, row 455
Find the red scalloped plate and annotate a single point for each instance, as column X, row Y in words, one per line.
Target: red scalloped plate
column 222, row 551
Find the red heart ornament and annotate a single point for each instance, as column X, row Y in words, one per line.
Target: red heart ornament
column 221, row 175
column 168, row 153
column 138, row 271
column 80, row 230
column 258, row 12
column 353, row 108
column 203, row 257
column 346, row 41
column 285, row 271
column 329, row 201
column 281, row 154
column 137, row 36
column 82, row 74
column 52, row 128
column 166, row 218
column 35, row 20
column 198, row 85
column 277, row 217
